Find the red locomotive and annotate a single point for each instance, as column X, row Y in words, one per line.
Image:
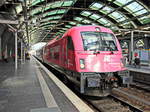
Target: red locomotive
column 90, row 57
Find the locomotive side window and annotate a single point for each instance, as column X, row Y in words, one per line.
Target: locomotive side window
column 98, row 41
column 70, row 43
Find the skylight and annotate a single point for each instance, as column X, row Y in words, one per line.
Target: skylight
column 96, row 6
column 68, row 3
column 95, row 16
column 103, row 21
column 145, row 19
column 140, row 12
column 59, row 4
column 50, row 13
column 68, row 26
column 79, row 24
column 106, row 10
column 72, row 23
column 37, row 10
column 85, row 13
column 36, row 2
column 134, row 7
column 137, row 9
column 117, row 16
column 122, row 2
column 86, row 21
column 51, row 18
column 78, row 18
column 126, row 25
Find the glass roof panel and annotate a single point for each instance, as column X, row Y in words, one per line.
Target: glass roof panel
column 68, row 26
column 61, row 31
column 53, row 5
column 145, row 19
column 47, row 19
column 72, row 23
column 122, row 2
column 37, row 10
column 51, row 18
column 79, row 25
column 85, row 13
column 67, row 3
column 126, row 25
column 96, row 6
column 104, row 21
column 50, row 13
column 65, row 28
column 48, row 6
column 106, row 10
column 86, row 21
column 57, row 17
column 140, row 12
column 61, row 11
column 133, row 7
column 59, row 4
column 95, row 16
column 78, row 18
column 56, row 4
column 36, row 2
column 117, row 16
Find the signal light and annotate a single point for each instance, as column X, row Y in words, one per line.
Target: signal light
column 82, row 64
column 98, row 29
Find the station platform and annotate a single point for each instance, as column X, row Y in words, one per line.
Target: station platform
column 141, row 69
column 31, row 89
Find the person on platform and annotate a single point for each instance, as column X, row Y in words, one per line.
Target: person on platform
column 137, row 61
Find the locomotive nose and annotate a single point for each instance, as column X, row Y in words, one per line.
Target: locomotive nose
column 101, row 62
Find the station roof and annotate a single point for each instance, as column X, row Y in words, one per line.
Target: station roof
column 45, row 19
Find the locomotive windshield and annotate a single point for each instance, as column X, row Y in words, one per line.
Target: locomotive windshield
column 98, row 41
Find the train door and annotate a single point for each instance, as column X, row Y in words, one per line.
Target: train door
column 70, row 54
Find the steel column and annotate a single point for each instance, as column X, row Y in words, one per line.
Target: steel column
column 132, row 45
column 24, row 55
column 16, row 49
column 21, row 53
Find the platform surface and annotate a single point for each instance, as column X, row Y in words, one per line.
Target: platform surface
column 20, row 90
column 142, row 69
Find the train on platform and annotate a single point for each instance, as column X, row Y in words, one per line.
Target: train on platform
column 90, row 57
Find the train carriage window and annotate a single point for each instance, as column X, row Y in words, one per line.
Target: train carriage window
column 70, row 43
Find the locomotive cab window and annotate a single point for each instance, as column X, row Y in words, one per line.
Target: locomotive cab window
column 98, row 41
column 70, row 43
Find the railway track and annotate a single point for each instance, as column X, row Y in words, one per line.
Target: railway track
column 137, row 98
column 141, row 86
column 108, row 104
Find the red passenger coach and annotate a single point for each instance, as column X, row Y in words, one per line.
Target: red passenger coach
column 90, row 57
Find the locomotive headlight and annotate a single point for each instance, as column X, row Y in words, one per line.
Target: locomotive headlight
column 82, row 64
